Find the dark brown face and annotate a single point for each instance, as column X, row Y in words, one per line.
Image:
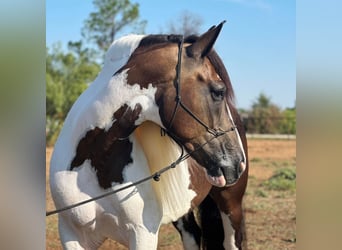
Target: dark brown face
column 203, row 92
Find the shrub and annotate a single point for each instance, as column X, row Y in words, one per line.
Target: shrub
column 283, row 179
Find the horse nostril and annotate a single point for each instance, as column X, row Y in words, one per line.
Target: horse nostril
column 242, row 167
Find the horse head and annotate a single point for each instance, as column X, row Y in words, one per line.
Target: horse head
column 193, row 100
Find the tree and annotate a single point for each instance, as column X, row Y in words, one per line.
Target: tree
column 262, row 101
column 69, row 73
column 288, row 121
column 110, row 17
column 265, row 117
column 187, row 24
column 67, row 76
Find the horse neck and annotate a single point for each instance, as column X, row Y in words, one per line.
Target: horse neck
column 160, row 151
column 172, row 190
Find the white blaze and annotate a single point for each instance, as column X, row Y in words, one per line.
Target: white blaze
column 237, row 135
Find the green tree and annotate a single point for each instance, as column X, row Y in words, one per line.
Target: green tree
column 288, row 121
column 264, row 117
column 110, row 17
column 67, row 76
column 69, row 73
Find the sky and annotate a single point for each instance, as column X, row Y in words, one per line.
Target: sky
column 257, row 43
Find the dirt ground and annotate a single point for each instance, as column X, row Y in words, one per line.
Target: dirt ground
column 270, row 215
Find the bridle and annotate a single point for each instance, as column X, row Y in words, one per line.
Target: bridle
column 216, row 132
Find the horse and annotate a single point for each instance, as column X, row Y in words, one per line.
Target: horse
column 156, row 97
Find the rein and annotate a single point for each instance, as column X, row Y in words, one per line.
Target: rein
column 216, row 132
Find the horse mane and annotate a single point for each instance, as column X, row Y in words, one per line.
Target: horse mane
column 159, row 39
column 151, row 41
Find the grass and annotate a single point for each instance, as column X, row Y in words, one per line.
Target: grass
column 282, row 180
column 261, row 193
column 255, row 160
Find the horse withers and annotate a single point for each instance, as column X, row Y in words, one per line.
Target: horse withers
column 112, row 137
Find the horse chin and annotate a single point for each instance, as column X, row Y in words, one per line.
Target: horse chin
column 218, row 181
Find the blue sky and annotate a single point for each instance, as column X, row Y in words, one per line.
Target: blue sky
column 257, row 44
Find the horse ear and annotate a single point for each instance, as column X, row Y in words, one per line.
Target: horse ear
column 204, row 43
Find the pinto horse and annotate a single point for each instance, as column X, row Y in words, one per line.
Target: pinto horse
column 112, row 137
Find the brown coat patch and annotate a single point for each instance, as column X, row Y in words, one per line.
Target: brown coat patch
column 109, row 151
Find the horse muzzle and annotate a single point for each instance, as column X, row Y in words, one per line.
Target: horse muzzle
column 225, row 176
column 223, row 159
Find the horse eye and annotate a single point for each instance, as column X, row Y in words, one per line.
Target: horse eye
column 218, row 93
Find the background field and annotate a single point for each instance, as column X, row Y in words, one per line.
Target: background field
column 270, row 201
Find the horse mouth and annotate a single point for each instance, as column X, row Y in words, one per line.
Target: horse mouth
column 218, row 181
column 222, row 179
